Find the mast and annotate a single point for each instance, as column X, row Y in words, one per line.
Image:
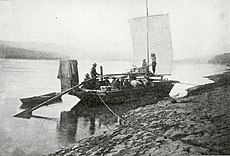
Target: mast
column 147, row 33
column 158, row 38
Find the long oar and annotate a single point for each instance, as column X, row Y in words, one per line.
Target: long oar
column 28, row 113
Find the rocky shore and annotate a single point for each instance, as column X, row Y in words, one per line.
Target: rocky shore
column 193, row 125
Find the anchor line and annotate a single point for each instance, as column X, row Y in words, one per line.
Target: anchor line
column 130, row 123
column 137, row 126
column 108, row 107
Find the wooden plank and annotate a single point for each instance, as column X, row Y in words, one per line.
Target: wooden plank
column 137, row 74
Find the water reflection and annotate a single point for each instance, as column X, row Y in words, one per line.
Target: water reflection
column 83, row 120
column 26, row 78
column 67, row 128
column 92, row 125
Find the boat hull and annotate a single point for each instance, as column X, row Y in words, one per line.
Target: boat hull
column 145, row 95
column 36, row 100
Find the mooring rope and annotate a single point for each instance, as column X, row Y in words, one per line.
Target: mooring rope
column 137, row 126
column 108, row 106
column 128, row 123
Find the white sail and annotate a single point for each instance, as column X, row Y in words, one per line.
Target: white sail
column 159, row 40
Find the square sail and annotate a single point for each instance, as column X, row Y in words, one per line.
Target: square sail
column 152, row 32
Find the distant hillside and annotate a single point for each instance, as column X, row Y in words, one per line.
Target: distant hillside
column 74, row 51
column 12, row 51
column 221, row 59
column 200, row 59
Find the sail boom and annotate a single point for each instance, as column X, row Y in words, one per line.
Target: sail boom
column 144, row 17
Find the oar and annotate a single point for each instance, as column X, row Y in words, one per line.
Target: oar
column 28, row 113
column 188, row 83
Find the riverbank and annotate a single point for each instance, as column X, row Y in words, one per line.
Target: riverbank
column 192, row 125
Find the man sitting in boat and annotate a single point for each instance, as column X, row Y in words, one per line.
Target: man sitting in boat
column 87, row 85
column 86, row 77
column 148, row 82
column 144, row 64
column 126, row 84
column 106, row 81
column 143, row 68
column 115, row 85
column 93, row 74
column 135, row 83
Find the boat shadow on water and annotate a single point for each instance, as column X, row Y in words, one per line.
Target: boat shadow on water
column 84, row 120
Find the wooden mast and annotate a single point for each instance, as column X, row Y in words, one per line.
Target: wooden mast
column 147, row 37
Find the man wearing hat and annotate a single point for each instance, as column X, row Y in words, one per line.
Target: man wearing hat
column 93, row 71
column 87, row 85
column 106, row 81
column 94, row 74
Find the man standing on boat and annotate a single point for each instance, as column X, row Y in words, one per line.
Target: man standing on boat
column 154, row 62
column 93, row 71
column 94, row 74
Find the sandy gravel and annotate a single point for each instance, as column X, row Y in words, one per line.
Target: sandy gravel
column 192, row 125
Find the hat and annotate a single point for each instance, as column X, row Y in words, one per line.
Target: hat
column 87, row 74
column 94, row 64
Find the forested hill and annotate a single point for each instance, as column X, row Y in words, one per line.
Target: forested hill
column 12, row 52
column 221, row 59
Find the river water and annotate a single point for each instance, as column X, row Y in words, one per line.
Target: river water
column 36, row 136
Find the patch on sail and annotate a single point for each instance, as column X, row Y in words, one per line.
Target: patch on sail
column 159, row 39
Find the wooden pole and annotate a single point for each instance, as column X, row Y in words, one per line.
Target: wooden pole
column 28, row 113
column 101, row 69
column 147, row 35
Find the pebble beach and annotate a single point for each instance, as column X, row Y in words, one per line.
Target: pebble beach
column 197, row 124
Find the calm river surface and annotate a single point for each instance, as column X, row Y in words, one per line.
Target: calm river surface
column 36, row 136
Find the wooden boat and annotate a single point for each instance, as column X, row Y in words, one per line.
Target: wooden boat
column 150, row 34
column 157, row 90
column 36, row 100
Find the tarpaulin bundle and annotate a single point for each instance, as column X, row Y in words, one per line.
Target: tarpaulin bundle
column 68, row 69
column 68, row 73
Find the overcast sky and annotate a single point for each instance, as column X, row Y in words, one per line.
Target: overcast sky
column 199, row 27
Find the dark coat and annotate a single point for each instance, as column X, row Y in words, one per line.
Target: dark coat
column 93, row 72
